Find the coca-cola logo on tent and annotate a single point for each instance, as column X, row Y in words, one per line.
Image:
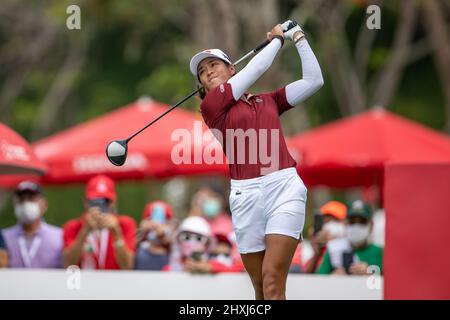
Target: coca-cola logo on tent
column 13, row 152
column 99, row 163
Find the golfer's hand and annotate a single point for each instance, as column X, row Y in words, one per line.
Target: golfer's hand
column 276, row 30
column 359, row 269
column 294, row 34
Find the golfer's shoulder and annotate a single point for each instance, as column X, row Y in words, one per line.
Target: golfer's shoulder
column 222, row 94
column 278, row 99
column 277, row 94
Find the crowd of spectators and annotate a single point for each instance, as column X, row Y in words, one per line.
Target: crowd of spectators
column 202, row 243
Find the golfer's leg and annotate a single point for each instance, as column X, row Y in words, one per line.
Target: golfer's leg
column 253, row 264
column 278, row 257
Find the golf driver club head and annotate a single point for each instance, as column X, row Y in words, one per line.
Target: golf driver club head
column 116, row 151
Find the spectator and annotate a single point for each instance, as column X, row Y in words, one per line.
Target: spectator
column 155, row 236
column 221, row 250
column 32, row 243
column 374, row 196
column 100, row 238
column 333, row 215
column 191, row 242
column 221, row 258
column 379, row 227
column 357, row 247
column 209, row 203
column 3, row 252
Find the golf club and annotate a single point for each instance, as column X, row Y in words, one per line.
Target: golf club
column 117, row 150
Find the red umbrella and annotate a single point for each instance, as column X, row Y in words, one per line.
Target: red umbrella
column 354, row 151
column 16, row 155
column 78, row 153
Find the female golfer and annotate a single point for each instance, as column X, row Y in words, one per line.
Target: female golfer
column 267, row 200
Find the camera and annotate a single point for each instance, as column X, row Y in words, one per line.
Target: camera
column 196, row 256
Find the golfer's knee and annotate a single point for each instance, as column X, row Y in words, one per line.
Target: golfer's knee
column 272, row 284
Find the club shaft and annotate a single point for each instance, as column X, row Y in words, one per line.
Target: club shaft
column 163, row 114
column 243, row 58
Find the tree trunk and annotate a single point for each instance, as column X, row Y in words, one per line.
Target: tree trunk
column 387, row 80
column 330, row 22
column 62, row 85
column 440, row 41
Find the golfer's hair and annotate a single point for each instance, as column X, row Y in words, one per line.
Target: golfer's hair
column 201, row 91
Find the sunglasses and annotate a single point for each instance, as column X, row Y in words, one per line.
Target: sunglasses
column 184, row 236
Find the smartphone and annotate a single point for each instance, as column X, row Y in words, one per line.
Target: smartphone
column 318, row 222
column 103, row 204
column 347, row 260
column 158, row 214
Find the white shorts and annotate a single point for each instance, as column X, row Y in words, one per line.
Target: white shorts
column 271, row 204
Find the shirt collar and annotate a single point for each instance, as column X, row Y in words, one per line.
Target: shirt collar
column 246, row 97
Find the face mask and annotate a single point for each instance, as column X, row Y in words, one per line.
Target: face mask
column 335, row 229
column 27, row 212
column 223, row 259
column 358, row 233
column 211, row 208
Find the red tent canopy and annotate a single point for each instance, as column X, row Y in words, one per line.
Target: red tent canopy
column 78, row 153
column 16, row 155
column 354, row 151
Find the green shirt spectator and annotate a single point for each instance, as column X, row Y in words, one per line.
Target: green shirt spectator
column 372, row 255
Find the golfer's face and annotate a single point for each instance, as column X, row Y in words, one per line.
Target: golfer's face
column 213, row 72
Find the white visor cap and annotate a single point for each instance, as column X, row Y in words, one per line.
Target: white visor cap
column 210, row 53
column 195, row 224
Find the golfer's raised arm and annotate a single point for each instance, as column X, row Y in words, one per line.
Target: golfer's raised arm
column 312, row 80
column 254, row 69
